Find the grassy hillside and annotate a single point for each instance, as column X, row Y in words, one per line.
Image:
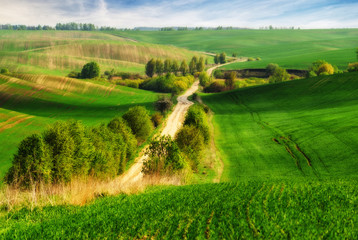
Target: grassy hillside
column 275, row 210
column 59, row 52
column 28, row 103
column 288, row 48
column 299, row 129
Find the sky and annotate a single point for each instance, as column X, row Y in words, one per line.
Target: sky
column 189, row 13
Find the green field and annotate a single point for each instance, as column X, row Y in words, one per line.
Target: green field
column 28, row 103
column 60, row 52
column 293, row 130
column 289, row 48
column 271, row 210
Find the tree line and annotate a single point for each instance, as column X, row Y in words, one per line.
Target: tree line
column 59, row 26
column 158, row 67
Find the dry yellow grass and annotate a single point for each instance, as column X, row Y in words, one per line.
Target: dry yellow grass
column 77, row 192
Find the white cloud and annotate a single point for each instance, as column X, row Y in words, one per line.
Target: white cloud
column 239, row 13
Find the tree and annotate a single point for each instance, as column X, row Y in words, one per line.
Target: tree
column 217, row 59
column 164, row 157
column 159, row 66
column 230, row 80
column 175, row 67
column 270, row 68
column 234, row 55
column 325, row 69
column 167, row 66
column 150, row 67
column 138, row 120
column 192, row 66
column 184, row 68
column 222, row 58
column 163, row 104
column 280, row 75
column 90, row 70
column 204, row 79
column 200, row 66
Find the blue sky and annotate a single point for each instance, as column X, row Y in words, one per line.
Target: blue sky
column 191, row 13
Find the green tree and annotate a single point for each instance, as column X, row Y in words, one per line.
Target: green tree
column 184, row 68
column 164, row 157
column 230, row 80
column 192, row 66
column 280, row 75
column 159, row 66
column 200, row 66
column 167, row 66
column 222, row 58
column 150, row 67
column 138, row 120
column 204, row 79
column 90, row 70
column 191, row 143
column 271, row 68
column 175, row 67
column 163, row 104
column 31, row 164
column 217, row 59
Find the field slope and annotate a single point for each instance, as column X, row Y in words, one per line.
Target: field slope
column 60, row 52
column 28, row 103
column 300, row 129
column 288, row 48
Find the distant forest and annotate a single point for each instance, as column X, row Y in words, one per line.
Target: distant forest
column 59, row 26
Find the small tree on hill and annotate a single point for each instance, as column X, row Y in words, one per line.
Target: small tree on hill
column 138, row 120
column 192, row 66
column 204, row 79
column 163, row 104
column 159, row 66
column 167, row 66
column 271, row 68
column 184, row 68
column 222, row 58
column 280, row 75
column 90, row 70
column 200, row 66
column 150, row 68
column 217, row 59
column 230, row 80
column 175, row 67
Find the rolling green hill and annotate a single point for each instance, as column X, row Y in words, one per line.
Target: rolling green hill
column 288, row 48
column 60, row 52
column 28, row 103
column 293, row 130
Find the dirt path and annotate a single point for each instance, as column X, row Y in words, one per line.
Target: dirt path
column 173, row 123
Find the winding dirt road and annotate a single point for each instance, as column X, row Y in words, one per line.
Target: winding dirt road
column 173, row 123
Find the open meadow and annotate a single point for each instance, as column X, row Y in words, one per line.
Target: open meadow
column 289, row 48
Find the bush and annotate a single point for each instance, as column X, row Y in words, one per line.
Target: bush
column 258, row 59
column 168, row 83
column 138, row 120
column 271, row 68
column 218, row 74
column 164, row 157
column 163, row 104
column 325, row 69
column 191, row 143
column 133, row 84
column 230, row 80
column 31, row 163
column 157, row 119
column 196, row 116
column 90, row 70
column 74, row 74
column 204, row 79
column 353, row 67
column 280, row 75
column 312, row 74
column 4, row 71
column 215, row 87
column 250, row 59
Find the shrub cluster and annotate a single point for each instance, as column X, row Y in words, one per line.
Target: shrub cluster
column 69, row 149
column 321, row 67
column 194, row 134
column 215, row 87
column 353, row 67
column 168, row 83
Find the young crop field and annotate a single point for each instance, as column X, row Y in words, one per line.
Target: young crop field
column 58, row 53
column 293, row 130
column 28, row 103
column 289, row 48
column 269, row 210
